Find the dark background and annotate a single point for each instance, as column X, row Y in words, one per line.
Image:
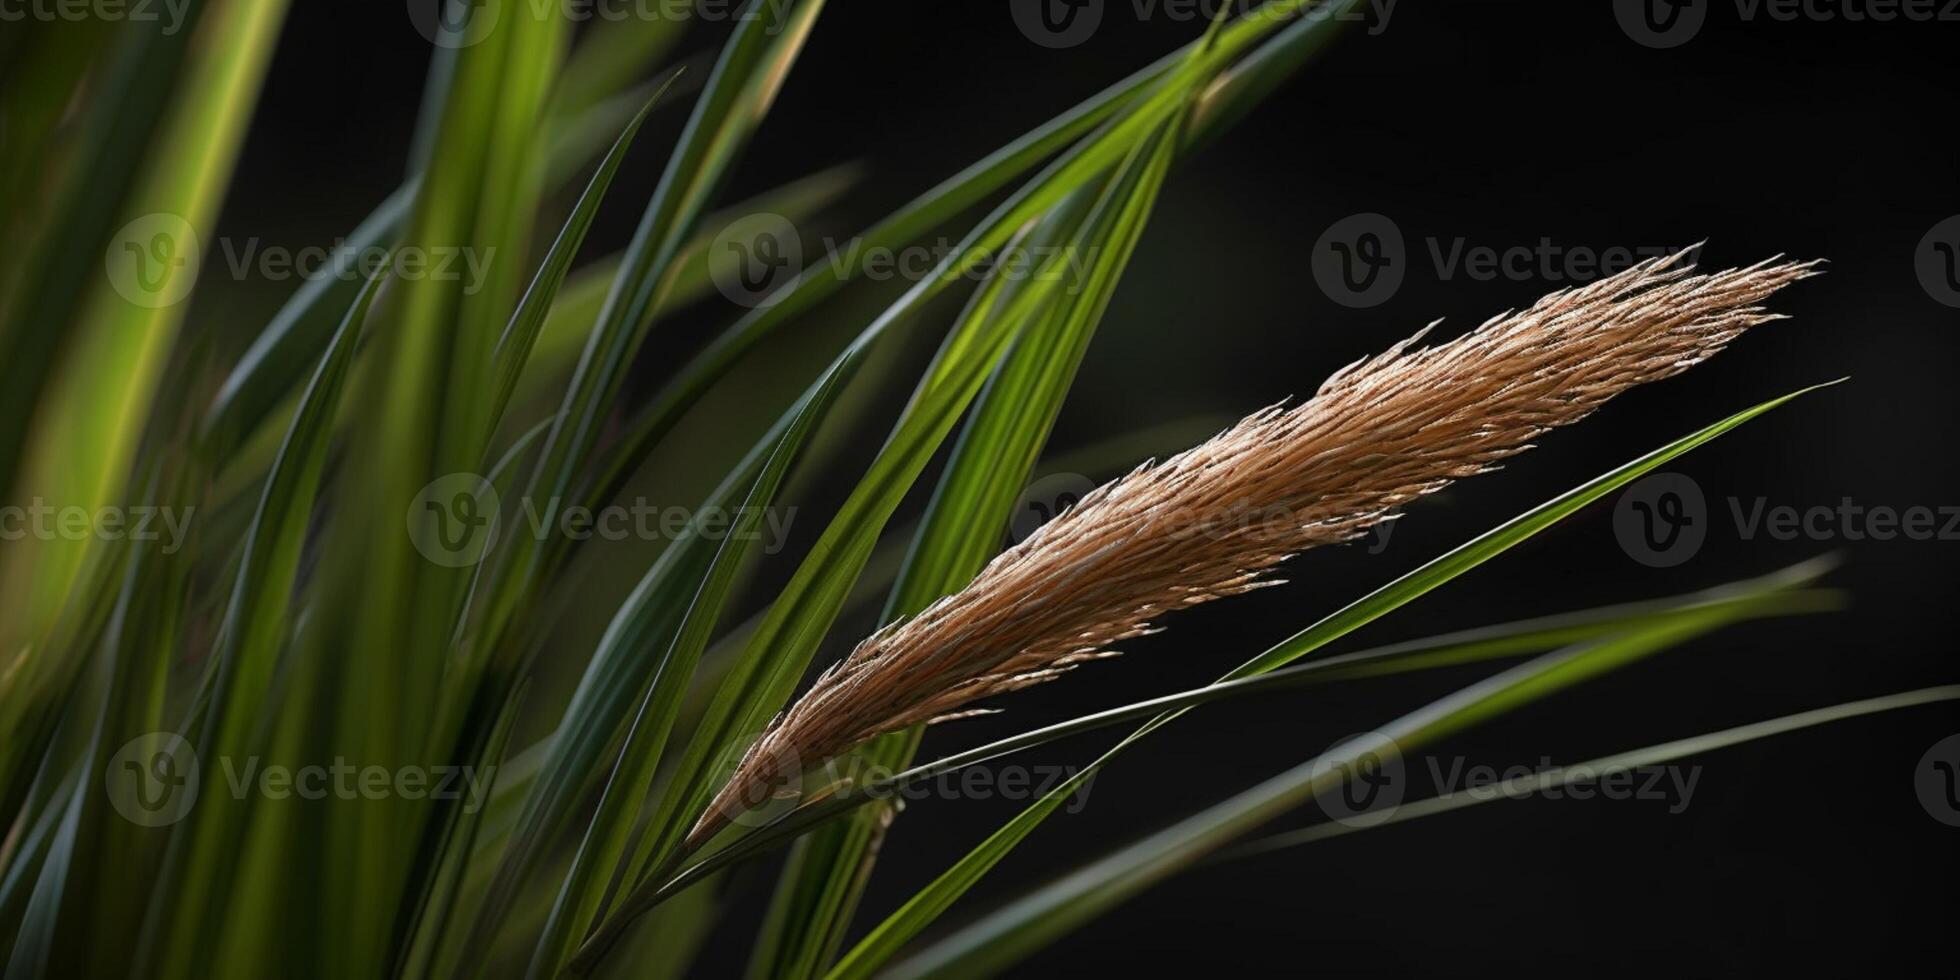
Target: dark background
column 1500, row 124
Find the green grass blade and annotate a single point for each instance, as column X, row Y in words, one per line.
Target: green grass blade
column 521, row 334
column 962, row 529
column 1004, row 937
column 1594, row 769
column 738, row 95
column 599, row 855
column 197, row 875
column 1447, row 650
column 97, row 395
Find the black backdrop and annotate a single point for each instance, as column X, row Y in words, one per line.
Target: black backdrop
column 1496, row 124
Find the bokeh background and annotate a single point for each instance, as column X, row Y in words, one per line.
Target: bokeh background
column 1496, row 124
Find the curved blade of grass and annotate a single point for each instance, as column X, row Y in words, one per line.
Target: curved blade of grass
column 929, row 903
column 1592, row 770
column 609, row 58
column 782, row 645
column 785, row 641
column 73, row 837
column 1025, row 925
column 57, row 227
column 97, row 394
column 738, row 94
column 1448, row 650
column 521, row 334
column 584, row 890
column 426, row 954
column 194, row 876
column 291, row 342
column 961, row 531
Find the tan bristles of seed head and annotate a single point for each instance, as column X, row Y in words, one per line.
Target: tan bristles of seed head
column 1214, row 521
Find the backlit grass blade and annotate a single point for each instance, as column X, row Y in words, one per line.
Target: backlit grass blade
column 607, row 835
column 929, row 903
column 1025, row 925
column 783, row 644
column 521, row 334
column 425, row 412
column 962, row 530
column 198, row 871
column 1447, row 650
column 290, row 344
column 1594, row 769
column 99, row 393
column 738, row 94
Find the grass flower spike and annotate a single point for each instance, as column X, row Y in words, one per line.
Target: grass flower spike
column 1217, row 519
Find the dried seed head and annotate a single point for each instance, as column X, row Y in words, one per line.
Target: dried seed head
column 1214, row 520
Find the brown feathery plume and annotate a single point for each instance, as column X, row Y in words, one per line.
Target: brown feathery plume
column 1214, row 520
